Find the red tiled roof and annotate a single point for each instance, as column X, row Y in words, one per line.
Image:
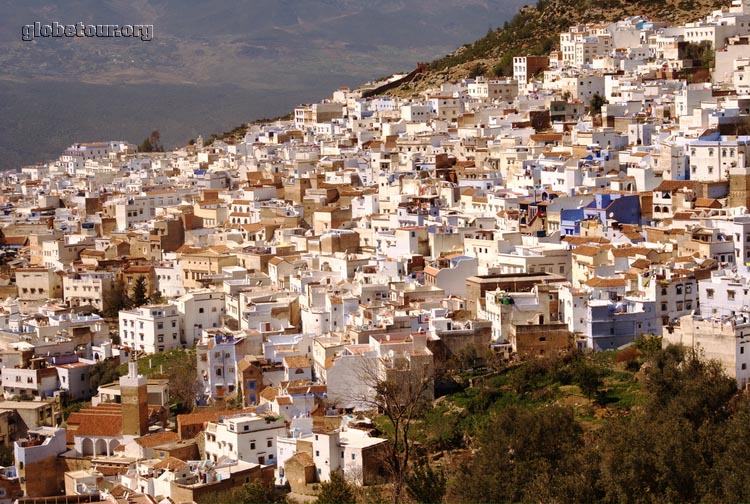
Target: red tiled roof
column 160, row 438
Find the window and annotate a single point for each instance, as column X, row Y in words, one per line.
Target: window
column 710, row 293
column 252, row 445
column 730, row 295
column 269, row 444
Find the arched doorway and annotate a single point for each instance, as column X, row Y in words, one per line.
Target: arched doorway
column 87, row 447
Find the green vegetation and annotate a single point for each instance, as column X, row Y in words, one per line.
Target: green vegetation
column 239, row 132
column 426, row 484
column 638, row 425
column 535, row 30
column 702, row 52
column 155, row 365
column 73, row 407
column 251, row 493
column 105, row 371
column 157, row 298
column 115, row 300
column 180, row 368
column 597, row 101
column 477, row 70
column 336, row 491
column 140, row 291
column 152, row 143
column 6, row 456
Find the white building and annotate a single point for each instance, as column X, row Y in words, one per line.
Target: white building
column 151, row 328
column 169, row 279
column 88, row 288
column 199, row 309
column 724, row 339
column 249, row 438
column 724, row 295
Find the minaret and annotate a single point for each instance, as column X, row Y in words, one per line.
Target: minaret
column 134, row 397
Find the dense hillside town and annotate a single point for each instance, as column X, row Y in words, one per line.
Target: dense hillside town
column 309, row 274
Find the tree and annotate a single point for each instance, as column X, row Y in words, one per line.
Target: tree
column 648, row 344
column 182, row 372
column 336, row 491
column 505, row 66
column 7, row 457
column 726, row 480
column 152, row 143
column 103, row 372
column 702, row 52
column 256, row 492
column 140, row 291
column 425, row 484
column 588, row 377
column 597, row 101
column 683, row 384
column 115, row 300
column 401, row 390
column 146, row 146
column 155, row 140
column 477, row 70
column 157, row 298
column 674, row 445
column 527, row 455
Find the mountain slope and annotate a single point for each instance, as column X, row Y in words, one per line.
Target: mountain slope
column 535, row 30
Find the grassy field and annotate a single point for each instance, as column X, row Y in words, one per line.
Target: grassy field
column 159, row 364
column 455, row 419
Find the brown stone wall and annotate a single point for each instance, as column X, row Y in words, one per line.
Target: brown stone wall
column 300, row 477
column 373, row 465
column 44, row 477
column 205, row 494
column 739, row 191
column 134, row 411
column 541, row 340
